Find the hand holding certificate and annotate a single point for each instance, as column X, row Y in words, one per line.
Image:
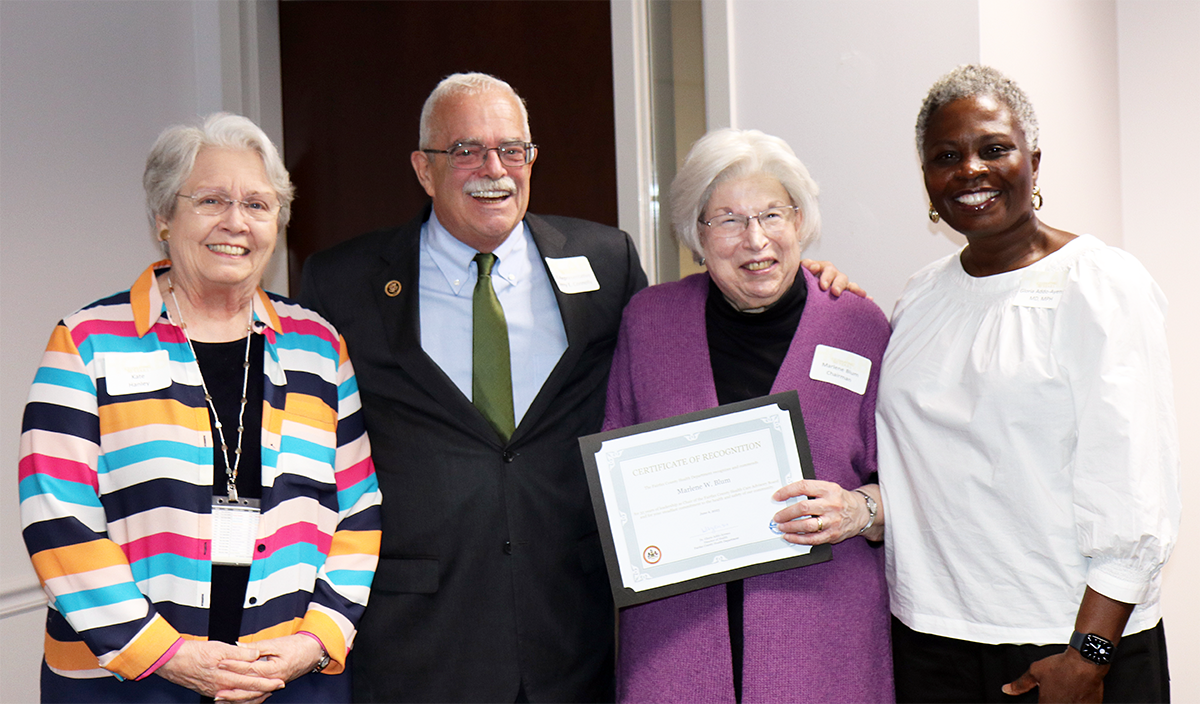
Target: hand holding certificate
column 687, row 502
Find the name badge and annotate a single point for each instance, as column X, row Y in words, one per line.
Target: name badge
column 573, row 274
column 234, row 530
column 136, row 372
column 1041, row 289
column 845, row 369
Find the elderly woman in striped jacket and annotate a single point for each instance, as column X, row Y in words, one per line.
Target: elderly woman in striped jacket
column 197, row 491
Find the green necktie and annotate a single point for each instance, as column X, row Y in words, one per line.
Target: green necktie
column 491, row 375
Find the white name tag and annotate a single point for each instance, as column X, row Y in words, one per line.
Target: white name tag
column 1041, row 289
column 573, row 274
column 136, row 372
column 845, row 369
column 235, row 528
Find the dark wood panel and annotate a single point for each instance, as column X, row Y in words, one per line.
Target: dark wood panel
column 355, row 75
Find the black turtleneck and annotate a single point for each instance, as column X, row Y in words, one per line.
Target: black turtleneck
column 221, row 364
column 746, row 350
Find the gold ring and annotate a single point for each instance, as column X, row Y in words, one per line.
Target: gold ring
column 820, row 524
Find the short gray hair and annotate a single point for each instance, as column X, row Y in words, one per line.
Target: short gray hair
column 174, row 154
column 459, row 84
column 969, row 81
column 730, row 153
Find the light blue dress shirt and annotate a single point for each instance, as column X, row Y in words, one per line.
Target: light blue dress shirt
column 536, row 337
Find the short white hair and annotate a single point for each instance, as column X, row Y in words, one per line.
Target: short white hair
column 730, row 153
column 973, row 80
column 460, row 84
column 174, row 154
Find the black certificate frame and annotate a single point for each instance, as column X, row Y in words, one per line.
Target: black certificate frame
column 590, row 446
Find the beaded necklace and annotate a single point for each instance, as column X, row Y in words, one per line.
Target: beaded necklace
column 231, row 468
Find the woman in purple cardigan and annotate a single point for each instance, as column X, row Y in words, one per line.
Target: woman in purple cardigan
column 755, row 324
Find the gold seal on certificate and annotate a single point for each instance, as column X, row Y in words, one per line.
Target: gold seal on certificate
column 686, row 502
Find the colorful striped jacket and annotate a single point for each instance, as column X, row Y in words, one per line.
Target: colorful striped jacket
column 116, row 481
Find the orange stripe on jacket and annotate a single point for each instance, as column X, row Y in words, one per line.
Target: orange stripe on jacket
column 81, row 557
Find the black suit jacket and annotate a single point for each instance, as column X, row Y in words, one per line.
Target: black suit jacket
column 491, row 575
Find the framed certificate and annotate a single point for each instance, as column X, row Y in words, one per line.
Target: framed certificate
column 685, row 503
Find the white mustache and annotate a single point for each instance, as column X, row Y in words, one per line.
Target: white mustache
column 476, row 185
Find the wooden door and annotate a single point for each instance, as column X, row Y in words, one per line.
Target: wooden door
column 355, row 75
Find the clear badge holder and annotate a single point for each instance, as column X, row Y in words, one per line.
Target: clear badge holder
column 234, row 530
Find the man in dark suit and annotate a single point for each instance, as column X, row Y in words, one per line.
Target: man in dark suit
column 491, row 583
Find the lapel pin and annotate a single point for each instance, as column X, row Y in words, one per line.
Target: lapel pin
column 392, row 288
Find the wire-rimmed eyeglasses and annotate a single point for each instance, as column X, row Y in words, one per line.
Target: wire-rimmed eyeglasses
column 772, row 221
column 472, row 155
column 209, row 203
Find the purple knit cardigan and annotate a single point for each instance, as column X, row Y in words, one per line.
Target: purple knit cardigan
column 813, row 634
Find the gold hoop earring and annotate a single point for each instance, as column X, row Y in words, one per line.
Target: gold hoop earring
column 1037, row 197
column 933, row 214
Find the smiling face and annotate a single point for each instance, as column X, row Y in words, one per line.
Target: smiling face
column 480, row 207
column 754, row 269
column 979, row 171
column 213, row 255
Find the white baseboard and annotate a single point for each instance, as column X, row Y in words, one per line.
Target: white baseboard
column 18, row 596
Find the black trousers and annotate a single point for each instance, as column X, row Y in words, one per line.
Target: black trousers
column 932, row 668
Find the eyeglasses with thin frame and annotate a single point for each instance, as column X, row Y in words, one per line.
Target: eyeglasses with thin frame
column 211, row 203
column 772, row 221
column 472, row 155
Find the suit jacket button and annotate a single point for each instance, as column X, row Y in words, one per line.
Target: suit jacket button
column 509, row 455
column 507, row 548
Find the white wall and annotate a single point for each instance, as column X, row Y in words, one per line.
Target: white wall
column 1159, row 71
column 841, row 82
column 85, row 88
column 1117, row 87
column 1067, row 63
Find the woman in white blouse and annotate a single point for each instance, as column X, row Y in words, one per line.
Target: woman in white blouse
column 1027, row 440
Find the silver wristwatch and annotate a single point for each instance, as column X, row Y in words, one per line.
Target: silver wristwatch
column 323, row 662
column 871, row 509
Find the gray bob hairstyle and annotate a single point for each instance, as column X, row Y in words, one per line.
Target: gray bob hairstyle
column 458, row 84
column 969, row 81
column 730, row 153
column 174, row 154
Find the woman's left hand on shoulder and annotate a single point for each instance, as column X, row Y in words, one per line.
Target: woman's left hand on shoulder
column 829, row 514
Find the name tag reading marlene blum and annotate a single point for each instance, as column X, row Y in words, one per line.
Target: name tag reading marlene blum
column 136, row 372
column 684, row 504
column 845, row 369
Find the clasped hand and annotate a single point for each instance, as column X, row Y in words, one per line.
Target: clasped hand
column 244, row 674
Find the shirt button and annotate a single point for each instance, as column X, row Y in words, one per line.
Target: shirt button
column 507, row 548
column 253, row 600
column 262, row 547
